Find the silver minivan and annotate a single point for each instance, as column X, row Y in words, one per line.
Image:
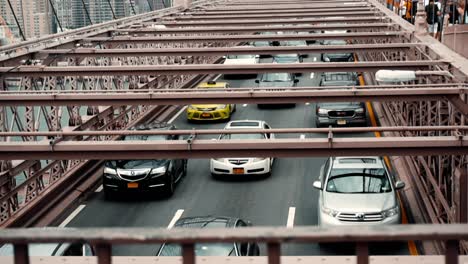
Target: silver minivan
column 357, row 191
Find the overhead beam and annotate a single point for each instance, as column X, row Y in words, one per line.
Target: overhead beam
column 248, row 50
column 305, row 10
column 40, row 71
column 244, row 29
column 205, row 148
column 233, row 95
column 277, row 21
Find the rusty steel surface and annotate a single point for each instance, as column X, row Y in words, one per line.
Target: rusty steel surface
column 201, row 148
column 39, row 71
column 232, row 95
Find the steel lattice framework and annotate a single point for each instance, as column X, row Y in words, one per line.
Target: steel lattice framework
column 114, row 75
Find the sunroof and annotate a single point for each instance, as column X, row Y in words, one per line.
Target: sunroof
column 357, row 160
column 244, row 123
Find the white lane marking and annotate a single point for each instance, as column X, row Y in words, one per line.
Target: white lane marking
column 244, row 105
column 315, row 58
column 302, row 136
column 72, row 215
column 312, row 75
column 99, row 189
column 177, row 115
column 217, row 77
column 291, row 214
column 176, row 217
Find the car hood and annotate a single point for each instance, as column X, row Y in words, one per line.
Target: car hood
column 240, row 61
column 359, row 203
column 276, row 84
column 140, row 165
column 205, row 105
column 341, row 106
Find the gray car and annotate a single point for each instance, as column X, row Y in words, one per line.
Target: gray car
column 357, row 191
column 337, row 57
column 272, row 80
column 340, row 113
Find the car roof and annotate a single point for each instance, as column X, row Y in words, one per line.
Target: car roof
column 212, row 84
column 370, row 162
column 207, row 222
column 244, row 124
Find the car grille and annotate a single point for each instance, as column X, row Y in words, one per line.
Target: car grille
column 338, row 114
column 360, row 217
column 238, row 161
column 133, row 175
column 206, row 109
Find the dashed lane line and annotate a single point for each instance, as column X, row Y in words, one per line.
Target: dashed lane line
column 72, row 215
column 291, row 215
column 99, row 189
column 176, row 217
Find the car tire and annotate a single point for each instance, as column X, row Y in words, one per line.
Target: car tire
column 170, row 186
column 108, row 195
column 234, row 108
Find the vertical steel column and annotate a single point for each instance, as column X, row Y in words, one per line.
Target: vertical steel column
column 362, row 253
column 21, row 254
column 188, row 254
column 461, row 194
column 274, row 253
column 451, row 252
column 104, row 254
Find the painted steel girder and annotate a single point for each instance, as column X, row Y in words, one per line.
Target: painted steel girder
column 310, row 147
column 38, row 71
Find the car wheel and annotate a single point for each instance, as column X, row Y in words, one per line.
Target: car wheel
column 170, row 186
column 108, row 195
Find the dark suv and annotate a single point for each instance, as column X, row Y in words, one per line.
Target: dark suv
column 340, row 113
column 212, row 249
column 150, row 176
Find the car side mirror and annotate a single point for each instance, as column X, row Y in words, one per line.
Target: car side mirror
column 248, row 223
column 257, row 56
column 317, row 185
column 296, row 80
column 257, row 81
column 224, row 57
column 399, row 185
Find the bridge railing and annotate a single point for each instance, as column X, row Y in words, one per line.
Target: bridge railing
column 103, row 239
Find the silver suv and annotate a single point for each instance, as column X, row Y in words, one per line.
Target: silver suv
column 357, row 191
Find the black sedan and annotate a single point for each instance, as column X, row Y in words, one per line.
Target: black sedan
column 150, row 176
column 212, row 249
column 272, row 80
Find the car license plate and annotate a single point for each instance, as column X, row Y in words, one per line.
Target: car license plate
column 341, row 122
column 205, row 115
column 132, row 185
column 238, row 170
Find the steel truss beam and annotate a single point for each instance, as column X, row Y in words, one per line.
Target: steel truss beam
column 233, row 95
column 241, row 38
column 307, row 10
column 92, row 52
column 39, row 71
column 244, row 22
column 224, row 30
column 309, row 147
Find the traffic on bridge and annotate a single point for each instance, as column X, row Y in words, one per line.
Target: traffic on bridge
column 236, row 131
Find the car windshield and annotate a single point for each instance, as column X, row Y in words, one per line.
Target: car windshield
column 205, row 249
column 276, row 77
column 295, row 43
column 358, row 180
column 242, row 136
column 334, row 42
column 240, row 56
column 261, row 43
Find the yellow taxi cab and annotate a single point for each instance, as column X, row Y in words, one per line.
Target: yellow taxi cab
column 202, row 112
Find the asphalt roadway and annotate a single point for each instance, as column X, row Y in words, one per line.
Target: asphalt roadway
column 287, row 195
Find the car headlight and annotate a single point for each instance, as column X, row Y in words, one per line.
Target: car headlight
column 156, row 172
column 109, row 172
column 326, row 58
column 221, row 106
column 322, row 111
column 191, row 107
column 329, row 211
column 359, row 111
column 391, row 212
column 259, row 159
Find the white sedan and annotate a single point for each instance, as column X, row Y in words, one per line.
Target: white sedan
column 243, row 166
